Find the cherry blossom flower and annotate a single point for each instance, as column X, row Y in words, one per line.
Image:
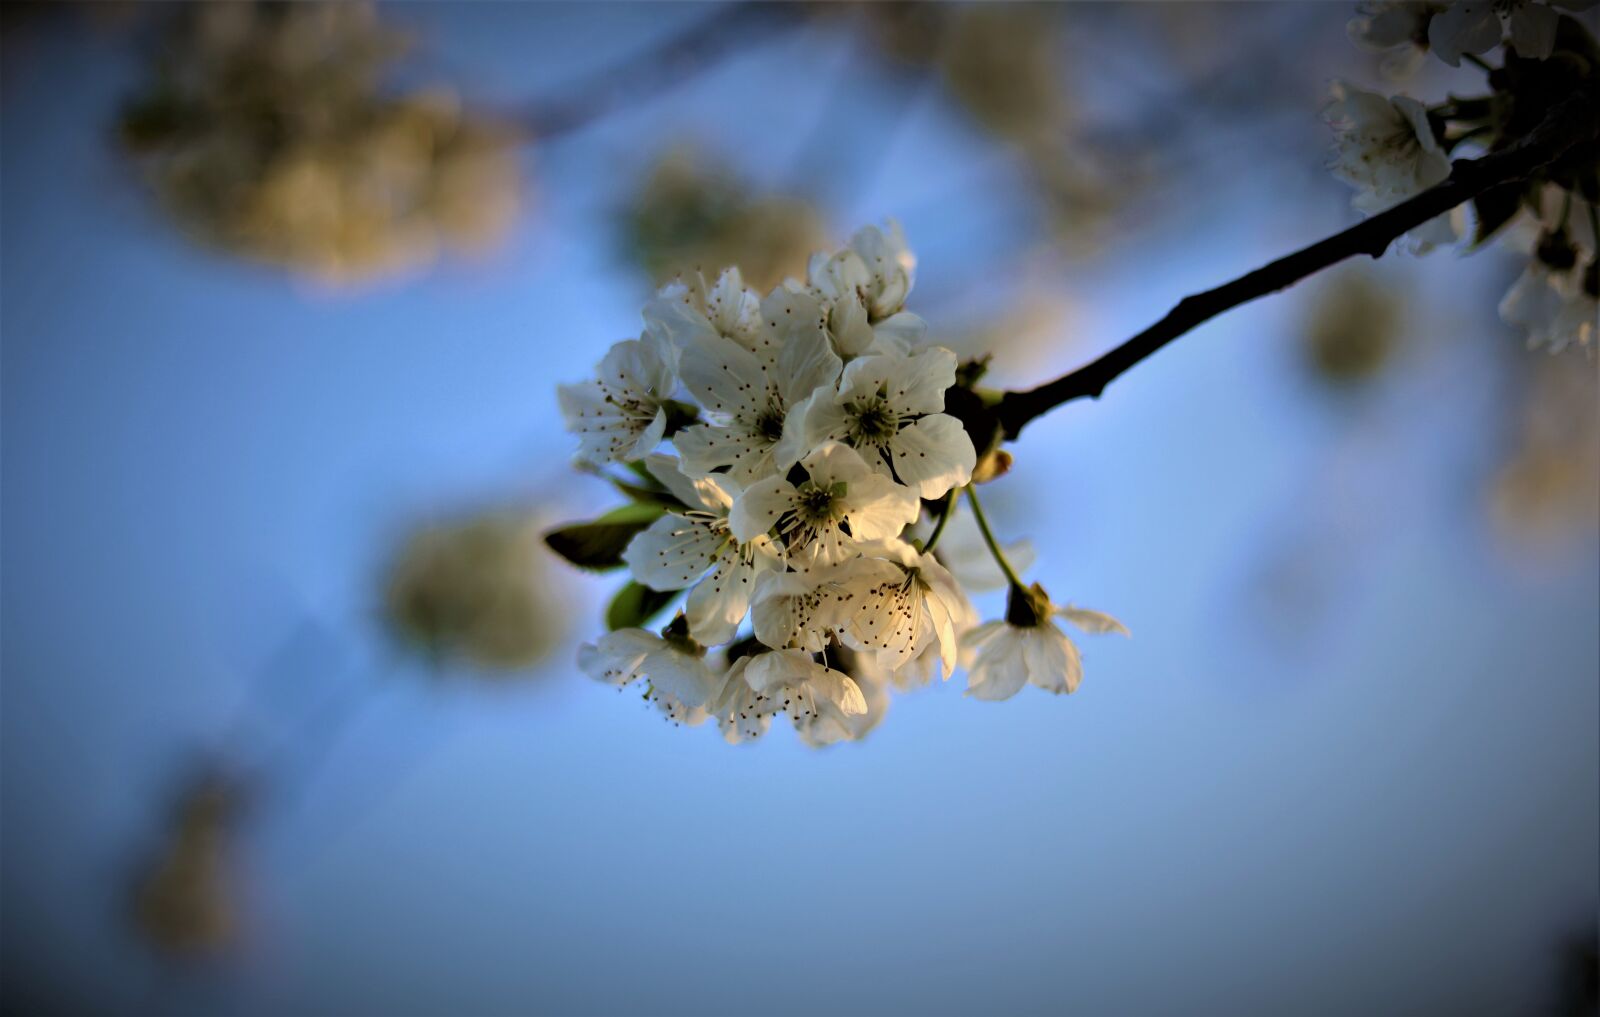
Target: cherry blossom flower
column 748, row 390
column 831, row 725
column 901, row 602
column 694, row 548
column 760, row 686
column 862, row 291
column 621, row 415
column 889, row 407
column 839, row 490
column 1028, row 648
column 1556, row 309
column 1386, row 150
column 1396, row 28
column 680, row 680
column 1476, row 26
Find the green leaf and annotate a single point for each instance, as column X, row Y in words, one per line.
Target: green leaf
column 1494, row 208
column 635, row 604
column 634, row 512
column 599, row 544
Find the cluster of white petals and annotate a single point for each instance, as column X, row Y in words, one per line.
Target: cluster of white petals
column 1472, row 27
column 1385, row 148
column 1391, row 149
column 799, row 444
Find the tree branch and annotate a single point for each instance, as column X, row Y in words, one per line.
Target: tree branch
column 1567, row 125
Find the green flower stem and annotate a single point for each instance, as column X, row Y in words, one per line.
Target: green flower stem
column 1478, row 61
column 988, row 538
column 938, row 528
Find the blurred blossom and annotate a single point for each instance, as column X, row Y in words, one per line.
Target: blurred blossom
column 1549, row 487
column 1397, row 30
column 186, row 903
column 480, row 588
column 1005, row 71
column 1354, row 327
column 268, row 132
column 694, row 214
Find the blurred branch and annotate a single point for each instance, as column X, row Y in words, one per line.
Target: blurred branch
column 1569, row 124
column 670, row 62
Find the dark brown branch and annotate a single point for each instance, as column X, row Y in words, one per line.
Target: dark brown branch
column 1569, row 124
column 668, row 63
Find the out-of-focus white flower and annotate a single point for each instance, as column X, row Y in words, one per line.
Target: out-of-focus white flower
column 1556, row 309
column 1386, row 150
column 889, row 407
column 694, row 213
column 1396, row 28
column 621, row 414
column 1477, row 26
column 681, row 681
column 832, row 725
column 839, row 488
column 749, row 393
column 271, row 131
column 680, row 548
column 1029, row 649
column 479, row 588
column 795, row 683
column 760, row 686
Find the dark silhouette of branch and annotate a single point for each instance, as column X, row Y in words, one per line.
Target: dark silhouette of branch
column 1569, row 124
column 667, row 64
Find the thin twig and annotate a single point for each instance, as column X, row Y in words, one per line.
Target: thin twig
column 1569, row 124
column 989, row 539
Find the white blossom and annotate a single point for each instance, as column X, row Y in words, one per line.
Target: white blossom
column 748, row 391
column 695, row 548
column 1012, row 655
column 1396, row 28
column 621, row 414
column 889, row 407
column 1553, row 309
column 832, row 725
column 862, row 291
column 760, row 686
column 1386, row 150
column 900, row 602
column 1477, row 26
column 840, row 490
column 681, row 681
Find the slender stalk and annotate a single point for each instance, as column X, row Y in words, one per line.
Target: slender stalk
column 1567, row 125
column 1478, row 61
column 944, row 517
column 988, row 538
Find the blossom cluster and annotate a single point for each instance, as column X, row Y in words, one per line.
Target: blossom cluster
column 1394, row 148
column 812, row 472
column 273, row 131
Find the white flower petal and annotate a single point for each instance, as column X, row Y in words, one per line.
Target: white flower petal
column 1052, row 659
column 1094, row 622
column 933, row 455
column 878, row 508
column 759, row 507
column 724, row 377
column 672, row 552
